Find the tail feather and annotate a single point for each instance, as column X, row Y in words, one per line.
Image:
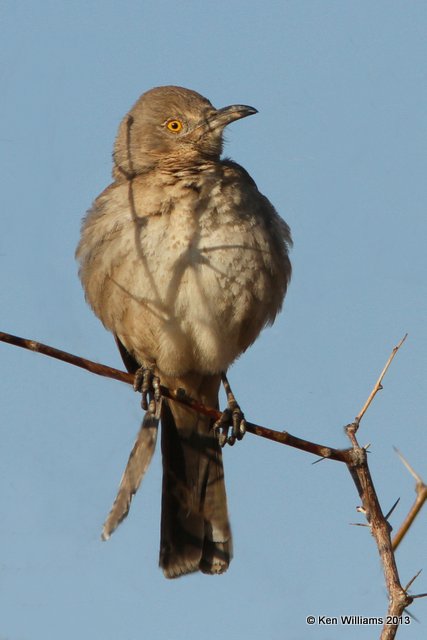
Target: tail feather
column 195, row 530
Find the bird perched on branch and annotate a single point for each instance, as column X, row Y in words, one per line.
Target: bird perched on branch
column 185, row 262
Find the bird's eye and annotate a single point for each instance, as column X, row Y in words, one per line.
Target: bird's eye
column 174, row 125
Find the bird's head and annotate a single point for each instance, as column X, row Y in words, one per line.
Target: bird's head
column 172, row 125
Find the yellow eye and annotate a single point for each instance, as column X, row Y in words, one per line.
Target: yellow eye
column 174, row 125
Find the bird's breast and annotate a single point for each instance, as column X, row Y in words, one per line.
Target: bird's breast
column 188, row 288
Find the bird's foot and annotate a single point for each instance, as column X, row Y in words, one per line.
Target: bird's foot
column 148, row 385
column 231, row 426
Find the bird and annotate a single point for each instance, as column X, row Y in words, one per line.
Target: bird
column 184, row 261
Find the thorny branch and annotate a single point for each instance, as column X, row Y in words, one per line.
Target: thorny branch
column 378, row 385
column 355, row 458
column 173, row 394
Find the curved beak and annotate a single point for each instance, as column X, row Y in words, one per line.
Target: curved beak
column 222, row 117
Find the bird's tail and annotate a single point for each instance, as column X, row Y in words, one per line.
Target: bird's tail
column 195, row 531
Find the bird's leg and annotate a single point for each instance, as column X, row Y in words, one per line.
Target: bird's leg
column 148, row 384
column 232, row 417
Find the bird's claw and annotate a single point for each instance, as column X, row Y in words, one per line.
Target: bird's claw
column 147, row 384
column 231, row 426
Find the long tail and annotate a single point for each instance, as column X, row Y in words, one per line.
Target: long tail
column 195, row 531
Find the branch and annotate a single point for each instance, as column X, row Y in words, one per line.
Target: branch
column 378, row 385
column 283, row 437
column 355, row 458
column 421, row 491
column 357, row 465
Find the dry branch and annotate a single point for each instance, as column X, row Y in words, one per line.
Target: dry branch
column 421, row 491
column 355, row 458
column 173, row 394
column 378, row 385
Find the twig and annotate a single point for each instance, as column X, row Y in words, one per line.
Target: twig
column 378, row 385
column 77, row 361
column 283, row 437
column 421, row 491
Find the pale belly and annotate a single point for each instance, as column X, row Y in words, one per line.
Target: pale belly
column 185, row 278
column 186, row 294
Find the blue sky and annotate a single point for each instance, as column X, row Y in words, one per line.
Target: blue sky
column 339, row 146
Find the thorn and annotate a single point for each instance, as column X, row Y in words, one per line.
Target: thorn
column 412, row 580
column 358, row 524
column 319, row 460
column 410, row 614
column 392, row 509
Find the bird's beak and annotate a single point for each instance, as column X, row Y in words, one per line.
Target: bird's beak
column 222, row 117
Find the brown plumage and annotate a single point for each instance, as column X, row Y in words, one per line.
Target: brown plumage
column 184, row 261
